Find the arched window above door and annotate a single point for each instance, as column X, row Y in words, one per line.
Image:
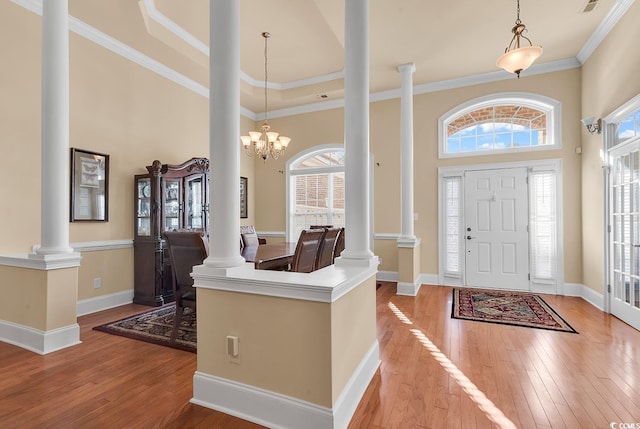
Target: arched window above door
column 500, row 123
column 315, row 189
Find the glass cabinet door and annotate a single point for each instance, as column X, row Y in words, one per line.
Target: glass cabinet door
column 172, row 206
column 195, row 205
column 143, row 204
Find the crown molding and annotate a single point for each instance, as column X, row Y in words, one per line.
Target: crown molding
column 85, row 30
column 164, row 21
column 609, row 21
column 442, row 85
column 173, row 27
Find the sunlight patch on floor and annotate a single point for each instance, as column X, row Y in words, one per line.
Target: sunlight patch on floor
column 492, row 412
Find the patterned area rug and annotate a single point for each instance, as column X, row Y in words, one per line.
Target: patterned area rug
column 155, row 326
column 510, row 308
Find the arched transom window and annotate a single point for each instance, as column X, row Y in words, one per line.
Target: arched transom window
column 500, row 123
column 315, row 193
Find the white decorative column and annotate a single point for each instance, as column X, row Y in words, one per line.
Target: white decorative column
column 357, row 201
column 280, row 375
column 49, row 322
column 408, row 244
column 406, row 150
column 224, row 143
column 55, row 129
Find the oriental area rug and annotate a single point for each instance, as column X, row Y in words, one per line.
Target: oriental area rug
column 155, row 326
column 510, row 308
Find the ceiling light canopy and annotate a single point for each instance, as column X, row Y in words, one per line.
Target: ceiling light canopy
column 265, row 143
column 516, row 58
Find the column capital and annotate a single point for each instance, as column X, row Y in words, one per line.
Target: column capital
column 409, row 67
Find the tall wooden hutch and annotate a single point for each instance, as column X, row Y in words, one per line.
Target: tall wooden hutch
column 167, row 198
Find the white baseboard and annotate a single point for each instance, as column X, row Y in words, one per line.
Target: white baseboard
column 428, row 279
column 37, row 341
column 387, row 276
column 279, row 411
column 408, row 289
column 104, row 302
column 353, row 392
column 591, row 296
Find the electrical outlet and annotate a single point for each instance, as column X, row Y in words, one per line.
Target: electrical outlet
column 97, row 283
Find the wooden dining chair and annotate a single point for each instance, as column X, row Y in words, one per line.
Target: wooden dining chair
column 304, row 258
column 325, row 256
column 186, row 250
column 337, row 251
column 250, row 236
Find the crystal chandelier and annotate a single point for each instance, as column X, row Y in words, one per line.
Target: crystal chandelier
column 265, row 143
column 515, row 58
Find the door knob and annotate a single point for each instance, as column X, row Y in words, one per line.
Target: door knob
column 469, row 237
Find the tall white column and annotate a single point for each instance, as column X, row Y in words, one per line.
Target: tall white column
column 224, row 135
column 357, row 201
column 55, row 162
column 406, row 150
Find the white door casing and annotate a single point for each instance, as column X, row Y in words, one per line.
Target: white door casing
column 624, row 239
column 496, row 237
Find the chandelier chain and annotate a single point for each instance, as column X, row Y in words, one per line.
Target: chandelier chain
column 266, row 36
column 518, row 13
column 265, row 143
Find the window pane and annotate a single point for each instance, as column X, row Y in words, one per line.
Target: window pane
column 543, row 226
column 629, row 127
column 453, row 208
column 499, row 127
column 319, row 201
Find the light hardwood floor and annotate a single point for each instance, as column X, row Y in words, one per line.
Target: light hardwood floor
column 436, row 372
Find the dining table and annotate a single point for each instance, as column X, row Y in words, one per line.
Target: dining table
column 270, row 256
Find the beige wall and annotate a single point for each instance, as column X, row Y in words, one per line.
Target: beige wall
column 120, row 108
column 116, row 107
column 100, row 264
column 43, row 300
column 303, row 349
column 610, row 77
column 284, row 343
column 319, row 128
column 353, row 332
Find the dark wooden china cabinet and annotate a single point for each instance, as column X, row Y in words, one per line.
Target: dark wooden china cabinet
column 167, row 198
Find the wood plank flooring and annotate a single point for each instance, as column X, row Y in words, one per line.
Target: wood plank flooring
column 436, row 372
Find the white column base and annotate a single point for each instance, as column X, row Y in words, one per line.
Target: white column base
column 37, row 341
column 408, row 289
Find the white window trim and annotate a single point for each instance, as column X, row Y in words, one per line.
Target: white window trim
column 539, row 165
column 553, row 109
column 290, row 184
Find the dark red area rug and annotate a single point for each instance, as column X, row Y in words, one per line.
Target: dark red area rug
column 155, row 326
column 510, row 308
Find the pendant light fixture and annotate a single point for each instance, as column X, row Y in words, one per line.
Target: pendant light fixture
column 265, row 143
column 516, row 58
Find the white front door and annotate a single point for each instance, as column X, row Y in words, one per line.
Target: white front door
column 624, row 218
column 496, row 237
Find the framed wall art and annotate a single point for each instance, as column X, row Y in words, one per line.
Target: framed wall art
column 89, row 186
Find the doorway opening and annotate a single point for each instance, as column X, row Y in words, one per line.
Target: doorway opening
column 499, row 226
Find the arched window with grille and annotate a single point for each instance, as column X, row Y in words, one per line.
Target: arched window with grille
column 315, row 189
column 500, row 123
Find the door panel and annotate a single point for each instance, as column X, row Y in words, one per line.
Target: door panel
column 625, row 240
column 496, row 216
